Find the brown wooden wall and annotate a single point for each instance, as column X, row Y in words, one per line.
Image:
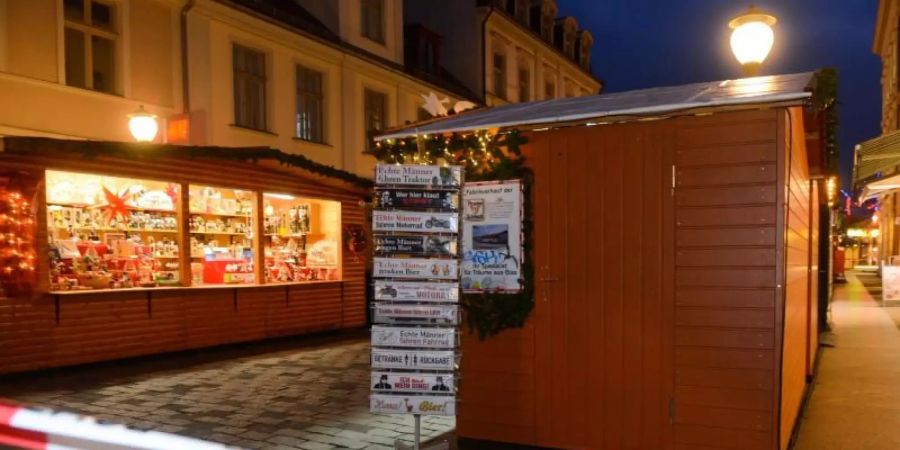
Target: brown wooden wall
column 798, row 238
column 813, row 314
column 658, row 317
column 57, row 330
column 726, row 276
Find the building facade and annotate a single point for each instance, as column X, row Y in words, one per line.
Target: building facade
column 307, row 77
column 527, row 52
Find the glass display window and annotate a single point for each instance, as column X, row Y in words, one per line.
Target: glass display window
column 111, row 232
column 301, row 237
column 221, row 235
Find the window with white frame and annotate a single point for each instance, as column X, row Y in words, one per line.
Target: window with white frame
column 309, row 105
column 91, row 36
column 372, row 19
column 249, row 87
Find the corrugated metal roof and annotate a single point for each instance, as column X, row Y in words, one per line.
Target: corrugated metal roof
column 644, row 102
column 877, row 155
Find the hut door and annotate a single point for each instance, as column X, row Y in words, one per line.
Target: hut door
column 604, row 299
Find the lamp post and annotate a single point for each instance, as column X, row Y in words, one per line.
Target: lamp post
column 752, row 38
column 142, row 125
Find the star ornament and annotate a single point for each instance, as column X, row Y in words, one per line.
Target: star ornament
column 435, row 106
column 115, row 205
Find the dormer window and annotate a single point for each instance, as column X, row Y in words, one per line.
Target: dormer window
column 583, row 45
column 565, row 34
column 422, row 48
column 372, row 19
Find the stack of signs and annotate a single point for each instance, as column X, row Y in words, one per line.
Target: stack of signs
column 416, row 270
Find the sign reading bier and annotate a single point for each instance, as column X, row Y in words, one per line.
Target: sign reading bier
column 413, row 337
column 416, row 291
column 422, row 383
column 433, row 176
column 415, row 222
column 412, row 404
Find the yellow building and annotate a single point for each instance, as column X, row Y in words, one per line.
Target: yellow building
column 307, row 77
column 526, row 51
column 878, row 160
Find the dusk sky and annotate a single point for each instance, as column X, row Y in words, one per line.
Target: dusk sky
column 647, row 43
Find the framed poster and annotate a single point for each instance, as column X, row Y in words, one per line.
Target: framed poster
column 417, row 199
column 492, row 237
column 398, row 245
column 890, row 283
column 416, row 314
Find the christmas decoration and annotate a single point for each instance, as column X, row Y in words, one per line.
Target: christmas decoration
column 115, row 205
column 486, row 157
column 17, row 255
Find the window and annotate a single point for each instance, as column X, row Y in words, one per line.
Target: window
column 549, row 90
column 90, row 45
column 111, row 232
column 309, row 105
column 524, row 85
column 222, row 231
column 375, row 109
column 249, row 88
column 301, row 237
column 372, row 19
column 500, row 75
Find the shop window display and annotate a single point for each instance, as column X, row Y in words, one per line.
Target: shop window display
column 111, row 232
column 302, row 238
column 222, row 234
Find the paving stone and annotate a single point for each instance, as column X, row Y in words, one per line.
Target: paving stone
column 315, row 446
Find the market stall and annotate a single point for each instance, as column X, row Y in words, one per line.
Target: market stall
column 111, row 250
column 673, row 237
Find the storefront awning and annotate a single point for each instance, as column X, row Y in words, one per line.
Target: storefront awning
column 767, row 90
column 880, row 187
column 877, row 155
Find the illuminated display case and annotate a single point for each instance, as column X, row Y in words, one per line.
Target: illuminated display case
column 302, row 238
column 111, row 232
column 221, row 235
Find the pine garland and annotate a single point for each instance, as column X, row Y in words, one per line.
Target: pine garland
column 485, row 158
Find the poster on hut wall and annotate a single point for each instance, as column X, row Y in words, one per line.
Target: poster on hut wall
column 492, row 237
column 415, row 175
column 417, row 199
column 416, row 314
column 890, row 283
column 413, row 359
column 399, row 245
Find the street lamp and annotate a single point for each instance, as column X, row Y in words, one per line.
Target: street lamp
column 143, row 125
column 752, row 38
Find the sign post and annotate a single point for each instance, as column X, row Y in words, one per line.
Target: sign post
column 416, row 230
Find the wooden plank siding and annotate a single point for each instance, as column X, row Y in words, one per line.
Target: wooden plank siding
column 48, row 330
column 798, row 239
column 725, row 285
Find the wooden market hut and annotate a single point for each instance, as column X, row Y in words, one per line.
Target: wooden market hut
column 44, row 326
column 676, row 255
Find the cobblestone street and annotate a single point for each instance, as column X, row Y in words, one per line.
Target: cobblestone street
column 309, row 393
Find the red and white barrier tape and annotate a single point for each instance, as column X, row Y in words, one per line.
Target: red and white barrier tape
column 28, row 428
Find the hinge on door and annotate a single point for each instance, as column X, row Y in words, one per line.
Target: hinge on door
column 671, row 410
column 672, row 192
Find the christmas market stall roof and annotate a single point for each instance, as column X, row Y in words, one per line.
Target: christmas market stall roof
column 735, row 94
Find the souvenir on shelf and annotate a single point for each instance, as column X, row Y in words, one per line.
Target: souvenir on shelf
column 221, row 231
column 111, row 232
column 301, row 238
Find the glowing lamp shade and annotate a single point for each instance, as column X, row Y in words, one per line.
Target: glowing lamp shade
column 752, row 38
column 143, row 125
